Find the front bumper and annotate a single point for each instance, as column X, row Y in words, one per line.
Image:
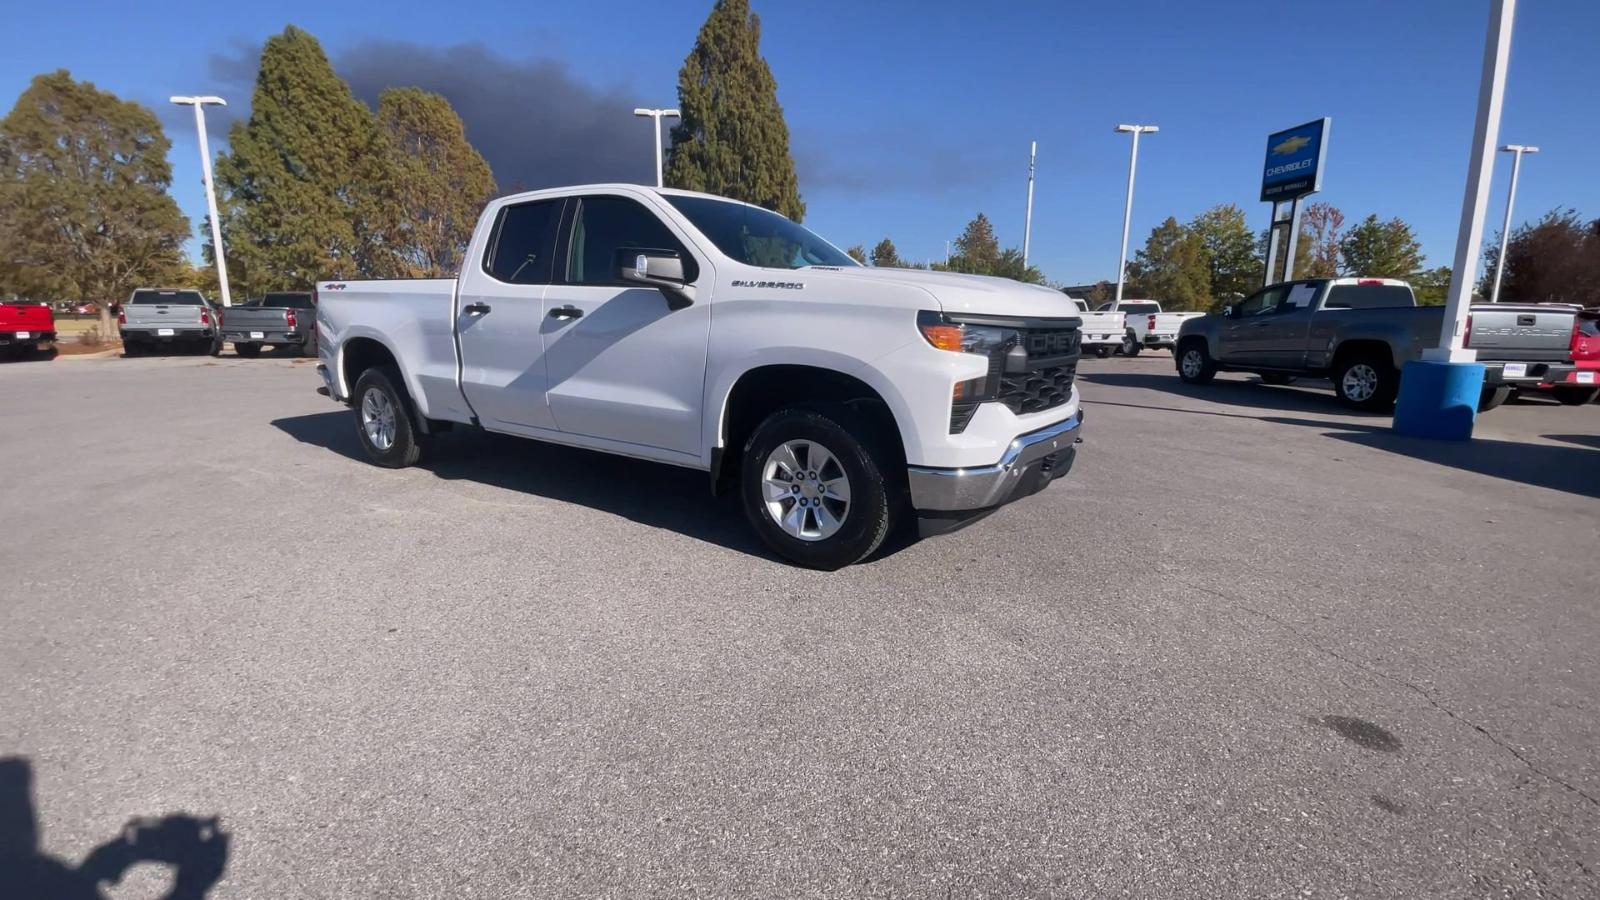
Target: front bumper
column 1030, row 462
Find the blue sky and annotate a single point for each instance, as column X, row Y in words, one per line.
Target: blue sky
column 908, row 118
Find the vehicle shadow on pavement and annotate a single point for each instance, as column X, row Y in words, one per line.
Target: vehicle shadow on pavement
column 1233, row 392
column 653, row 494
column 195, row 850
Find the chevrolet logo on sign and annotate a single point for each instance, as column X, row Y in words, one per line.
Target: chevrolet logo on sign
column 1288, row 147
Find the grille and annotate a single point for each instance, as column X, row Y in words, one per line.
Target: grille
column 1043, row 344
column 1038, row 390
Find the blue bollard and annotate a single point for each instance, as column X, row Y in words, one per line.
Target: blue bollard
column 1438, row 400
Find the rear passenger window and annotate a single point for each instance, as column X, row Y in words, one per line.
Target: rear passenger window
column 520, row 249
column 604, row 225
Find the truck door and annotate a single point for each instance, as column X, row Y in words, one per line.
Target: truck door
column 500, row 314
column 1246, row 336
column 1283, row 339
column 622, row 365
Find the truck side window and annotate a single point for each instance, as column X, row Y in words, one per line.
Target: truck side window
column 604, row 225
column 520, row 248
column 1265, row 302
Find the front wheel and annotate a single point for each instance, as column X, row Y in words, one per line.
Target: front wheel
column 1575, row 396
column 1366, row 382
column 813, row 491
column 1195, row 365
column 1130, row 344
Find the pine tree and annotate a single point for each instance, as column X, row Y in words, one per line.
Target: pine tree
column 731, row 138
column 84, row 208
column 441, row 181
column 977, row 251
column 857, row 253
column 884, row 255
column 307, row 189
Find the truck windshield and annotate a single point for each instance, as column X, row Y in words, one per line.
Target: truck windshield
column 757, row 237
column 289, row 299
column 170, row 298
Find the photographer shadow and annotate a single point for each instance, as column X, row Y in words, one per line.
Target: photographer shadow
column 196, row 850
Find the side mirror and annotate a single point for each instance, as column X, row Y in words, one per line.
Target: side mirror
column 660, row 269
column 1227, row 311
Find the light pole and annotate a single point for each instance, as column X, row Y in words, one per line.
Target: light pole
column 656, row 114
column 200, row 104
column 1027, row 220
column 1127, row 209
column 1511, row 199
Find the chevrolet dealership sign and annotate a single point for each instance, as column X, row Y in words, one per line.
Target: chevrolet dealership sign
column 1294, row 161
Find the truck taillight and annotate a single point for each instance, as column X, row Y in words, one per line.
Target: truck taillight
column 1152, row 323
column 289, row 319
column 122, row 317
column 205, row 316
column 1585, row 344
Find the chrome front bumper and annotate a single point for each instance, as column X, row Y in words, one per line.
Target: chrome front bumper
column 1031, row 461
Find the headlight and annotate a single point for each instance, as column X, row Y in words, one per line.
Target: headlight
column 964, row 338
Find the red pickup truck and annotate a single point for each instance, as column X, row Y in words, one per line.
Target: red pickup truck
column 26, row 329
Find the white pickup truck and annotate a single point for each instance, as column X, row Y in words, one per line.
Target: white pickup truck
column 1102, row 331
column 697, row 331
column 1145, row 325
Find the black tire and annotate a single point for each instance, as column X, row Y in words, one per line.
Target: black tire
column 1130, row 344
column 874, row 494
column 309, row 348
column 1276, row 378
column 1493, row 397
column 1575, row 396
column 247, row 350
column 131, row 349
column 216, row 346
column 1201, row 367
column 1356, row 373
column 407, row 444
column 1102, row 351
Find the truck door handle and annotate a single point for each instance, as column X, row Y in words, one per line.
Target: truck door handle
column 566, row 312
column 476, row 309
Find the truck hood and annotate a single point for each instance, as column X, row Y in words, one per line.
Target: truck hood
column 956, row 293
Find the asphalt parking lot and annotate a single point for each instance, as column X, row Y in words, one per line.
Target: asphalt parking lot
column 1252, row 646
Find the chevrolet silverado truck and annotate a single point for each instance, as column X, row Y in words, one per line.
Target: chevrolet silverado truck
column 833, row 399
column 27, row 329
column 1103, row 332
column 281, row 319
column 167, row 317
column 1359, row 332
column 1145, row 325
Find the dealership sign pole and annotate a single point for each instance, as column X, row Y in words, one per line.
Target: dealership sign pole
column 1293, row 170
column 1439, row 393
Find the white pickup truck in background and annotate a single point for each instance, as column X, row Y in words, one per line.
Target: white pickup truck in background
column 1145, row 325
column 687, row 329
column 1102, row 331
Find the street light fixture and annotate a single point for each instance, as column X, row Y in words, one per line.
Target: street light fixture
column 1511, row 199
column 656, row 114
column 1127, row 209
column 199, row 104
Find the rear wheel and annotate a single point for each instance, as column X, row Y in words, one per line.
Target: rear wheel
column 1102, row 351
column 1130, row 344
column 1575, row 396
column 1493, row 397
column 385, row 419
column 247, row 350
column 1366, row 381
column 132, row 348
column 814, row 491
column 1195, row 365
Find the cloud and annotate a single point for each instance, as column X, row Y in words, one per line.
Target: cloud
column 536, row 123
column 893, row 159
column 231, row 75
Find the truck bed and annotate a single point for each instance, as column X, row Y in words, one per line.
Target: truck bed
column 413, row 318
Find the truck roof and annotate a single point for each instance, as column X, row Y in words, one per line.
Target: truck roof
column 618, row 186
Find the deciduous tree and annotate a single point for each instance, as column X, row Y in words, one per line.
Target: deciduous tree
column 885, row 255
column 1172, row 268
column 1320, row 226
column 1554, row 259
column 307, row 187
column 732, row 139
column 1381, row 249
column 441, row 181
column 1231, row 261
column 857, row 253
column 84, row 208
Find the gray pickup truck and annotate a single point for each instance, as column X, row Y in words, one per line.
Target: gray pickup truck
column 167, row 317
column 1358, row 332
column 282, row 319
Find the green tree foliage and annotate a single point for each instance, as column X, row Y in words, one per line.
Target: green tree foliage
column 1431, row 285
column 1302, row 251
column 84, row 208
column 441, row 181
column 977, row 252
column 1011, row 266
column 885, row 255
column 1320, row 233
column 1102, row 292
column 1555, row 259
column 857, row 253
column 1381, row 249
column 1172, row 268
column 307, row 189
column 732, row 139
column 1234, row 269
